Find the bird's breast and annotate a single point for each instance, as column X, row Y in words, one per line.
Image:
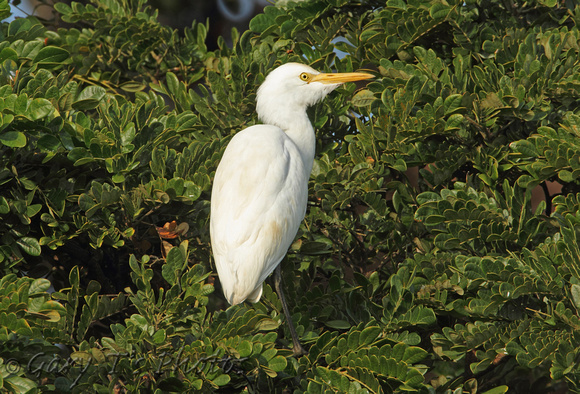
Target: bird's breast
column 258, row 201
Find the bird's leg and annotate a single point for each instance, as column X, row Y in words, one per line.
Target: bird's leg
column 298, row 349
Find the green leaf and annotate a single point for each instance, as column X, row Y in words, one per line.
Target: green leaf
column 524, row 147
column 20, row 25
column 363, row 98
column 13, row 139
column 426, row 197
column 433, row 220
column 267, row 325
column 566, row 176
column 4, row 13
column 131, row 86
column 338, row 324
column 39, row 108
column 86, row 202
column 29, row 245
column 63, row 8
column 159, row 336
column 89, row 98
column 74, row 277
column 497, row 390
column 245, row 349
column 38, row 286
column 118, row 178
column 369, row 335
column 51, row 55
column 452, row 103
column 8, row 53
column 19, row 384
column 173, row 83
column 5, row 120
column 575, row 291
column 439, row 11
column 33, row 209
column 278, row 363
column 414, row 354
column 262, row 23
column 4, row 206
column 397, row 4
column 221, row 380
column 174, row 264
column 48, row 142
column 453, row 122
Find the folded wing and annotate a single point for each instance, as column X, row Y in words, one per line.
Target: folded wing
column 258, row 201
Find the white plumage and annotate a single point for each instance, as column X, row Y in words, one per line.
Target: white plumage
column 260, row 188
column 256, row 206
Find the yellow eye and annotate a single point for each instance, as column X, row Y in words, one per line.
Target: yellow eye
column 305, row 77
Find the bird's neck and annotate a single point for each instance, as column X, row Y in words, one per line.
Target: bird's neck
column 292, row 118
column 301, row 132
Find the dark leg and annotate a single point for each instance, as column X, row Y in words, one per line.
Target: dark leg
column 298, row 349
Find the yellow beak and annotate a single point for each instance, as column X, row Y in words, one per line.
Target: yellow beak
column 332, row 78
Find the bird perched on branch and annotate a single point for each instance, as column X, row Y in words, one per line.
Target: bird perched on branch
column 260, row 189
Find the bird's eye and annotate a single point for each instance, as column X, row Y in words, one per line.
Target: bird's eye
column 305, row 77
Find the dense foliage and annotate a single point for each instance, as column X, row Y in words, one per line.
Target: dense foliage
column 423, row 264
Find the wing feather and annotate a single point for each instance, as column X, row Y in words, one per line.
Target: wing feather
column 258, row 201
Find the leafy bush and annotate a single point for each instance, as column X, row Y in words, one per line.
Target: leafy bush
column 423, row 264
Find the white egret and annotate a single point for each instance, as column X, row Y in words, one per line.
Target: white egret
column 260, row 189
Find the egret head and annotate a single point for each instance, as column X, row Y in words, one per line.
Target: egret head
column 291, row 88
